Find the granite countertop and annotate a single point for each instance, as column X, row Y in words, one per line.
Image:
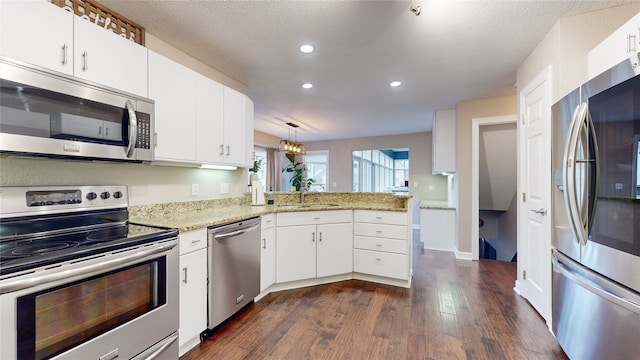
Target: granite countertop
column 435, row 204
column 187, row 216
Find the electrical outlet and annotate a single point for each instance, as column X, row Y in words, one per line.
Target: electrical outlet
column 194, row 189
column 224, row 188
column 432, row 187
column 619, row 186
column 415, row 184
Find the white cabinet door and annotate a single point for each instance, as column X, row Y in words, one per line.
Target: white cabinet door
column 235, row 127
column 108, row 59
column 37, row 32
column 193, row 298
column 295, row 253
column 250, row 153
column 334, row 249
column 438, row 228
column 172, row 86
column 614, row 49
column 444, row 142
column 209, row 120
column 268, row 258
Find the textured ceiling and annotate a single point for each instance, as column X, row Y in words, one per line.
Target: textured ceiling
column 453, row 51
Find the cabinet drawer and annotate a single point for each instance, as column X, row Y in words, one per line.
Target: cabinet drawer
column 193, row 240
column 314, row 217
column 380, row 230
column 380, row 263
column 268, row 221
column 380, row 217
column 380, row 244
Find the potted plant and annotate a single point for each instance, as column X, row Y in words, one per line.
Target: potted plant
column 298, row 174
column 257, row 165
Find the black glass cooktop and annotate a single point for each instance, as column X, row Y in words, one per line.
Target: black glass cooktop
column 21, row 250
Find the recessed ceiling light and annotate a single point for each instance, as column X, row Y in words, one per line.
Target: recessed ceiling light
column 395, row 83
column 307, row 49
column 307, row 85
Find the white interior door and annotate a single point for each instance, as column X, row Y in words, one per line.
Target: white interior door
column 534, row 240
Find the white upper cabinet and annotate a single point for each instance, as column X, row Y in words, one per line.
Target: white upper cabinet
column 198, row 120
column 209, row 120
column 47, row 42
column 444, row 142
column 234, row 146
column 46, row 35
column 173, row 87
column 614, row 49
column 106, row 58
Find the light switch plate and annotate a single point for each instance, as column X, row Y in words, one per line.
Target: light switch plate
column 194, row 189
column 224, row 188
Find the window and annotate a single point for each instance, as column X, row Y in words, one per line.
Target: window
column 317, row 163
column 380, row 170
column 260, row 153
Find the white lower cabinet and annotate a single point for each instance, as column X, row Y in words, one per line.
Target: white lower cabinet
column 193, row 288
column 268, row 251
column 314, row 244
column 381, row 244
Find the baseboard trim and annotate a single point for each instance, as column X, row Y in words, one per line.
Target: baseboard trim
column 463, row 255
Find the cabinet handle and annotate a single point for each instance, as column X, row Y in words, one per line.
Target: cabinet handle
column 99, row 130
column 195, row 241
column 85, row 61
column 155, row 139
column 379, row 231
column 264, row 243
column 320, row 237
column 313, row 237
column 221, row 149
column 228, row 150
column 185, row 275
column 106, row 131
column 64, row 54
column 379, row 245
column 379, row 217
column 378, row 259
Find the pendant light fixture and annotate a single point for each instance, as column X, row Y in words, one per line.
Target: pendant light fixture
column 292, row 147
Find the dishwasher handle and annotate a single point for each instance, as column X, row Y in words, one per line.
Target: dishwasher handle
column 235, row 233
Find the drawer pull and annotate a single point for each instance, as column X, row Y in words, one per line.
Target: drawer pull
column 379, row 245
column 316, row 218
column 379, row 217
column 195, row 241
column 378, row 259
column 379, row 231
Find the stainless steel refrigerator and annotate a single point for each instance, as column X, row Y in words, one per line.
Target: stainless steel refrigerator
column 596, row 197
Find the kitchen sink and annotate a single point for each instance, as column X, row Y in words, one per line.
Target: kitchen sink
column 305, row 206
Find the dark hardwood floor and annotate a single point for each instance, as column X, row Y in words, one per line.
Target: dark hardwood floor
column 455, row 309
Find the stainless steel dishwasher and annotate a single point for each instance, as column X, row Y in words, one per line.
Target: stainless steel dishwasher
column 234, row 268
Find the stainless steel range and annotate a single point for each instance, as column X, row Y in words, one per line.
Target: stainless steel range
column 79, row 281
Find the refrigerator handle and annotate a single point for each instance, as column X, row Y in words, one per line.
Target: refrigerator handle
column 568, row 178
column 595, row 171
column 595, row 283
column 580, row 141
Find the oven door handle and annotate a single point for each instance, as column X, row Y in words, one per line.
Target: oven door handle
column 155, row 351
column 141, row 254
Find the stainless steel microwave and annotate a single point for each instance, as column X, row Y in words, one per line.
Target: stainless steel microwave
column 45, row 113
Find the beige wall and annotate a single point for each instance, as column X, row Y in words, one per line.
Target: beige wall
column 419, row 145
column 156, row 45
column 148, row 184
column 465, row 112
column 567, row 45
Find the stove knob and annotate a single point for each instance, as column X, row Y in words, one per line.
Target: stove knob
column 105, row 195
column 91, row 196
column 117, row 194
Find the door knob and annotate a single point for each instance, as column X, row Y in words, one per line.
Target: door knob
column 541, row 211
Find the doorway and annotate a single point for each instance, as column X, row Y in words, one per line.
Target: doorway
column 476, row 124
